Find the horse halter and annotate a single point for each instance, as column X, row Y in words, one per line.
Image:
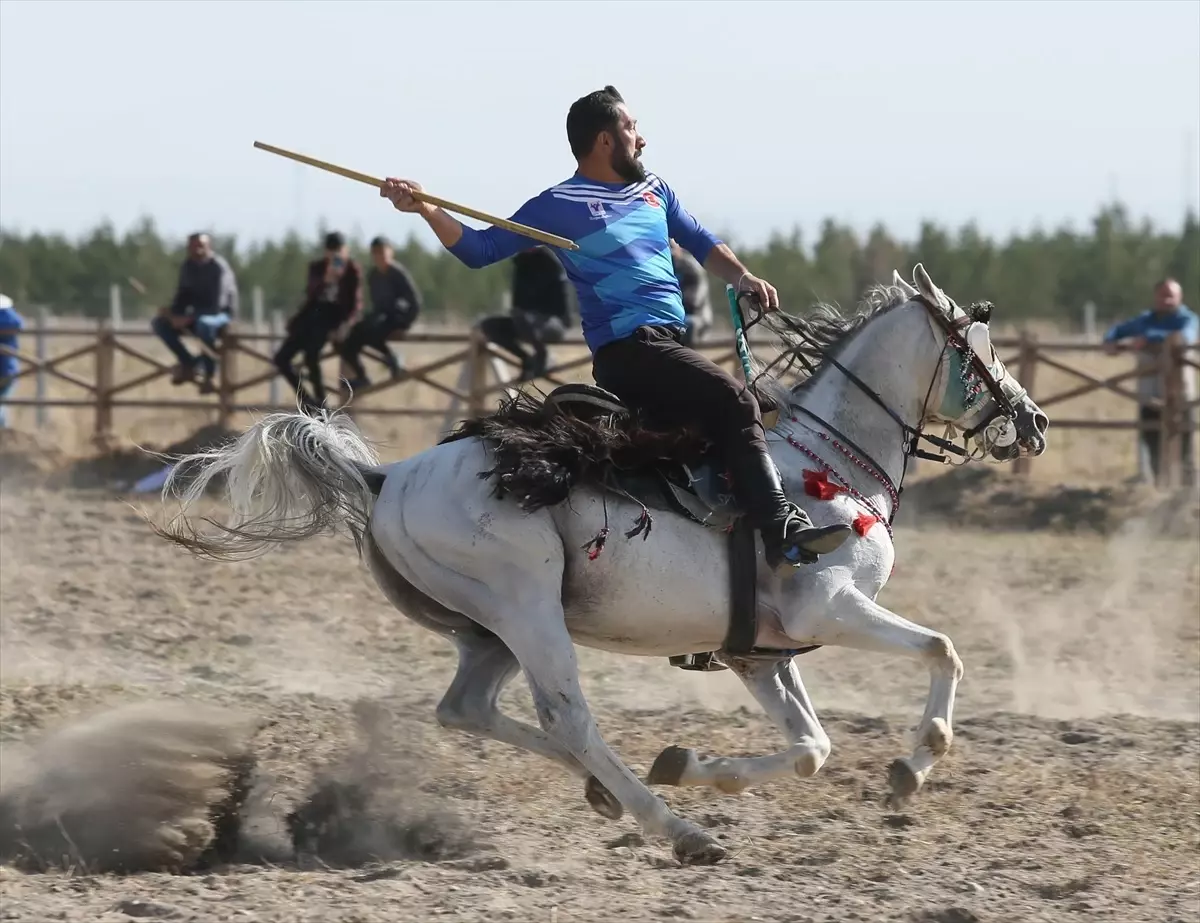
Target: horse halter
column 1002, row 405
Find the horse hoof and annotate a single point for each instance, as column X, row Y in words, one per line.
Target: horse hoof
column 699, row 849
column 669, row 766
column 603, row 801
column 903, row 783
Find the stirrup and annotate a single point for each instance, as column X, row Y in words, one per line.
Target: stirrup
column 701, row 663
column 823, row 540
column 807, row 548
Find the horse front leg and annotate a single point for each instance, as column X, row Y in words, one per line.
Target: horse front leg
column 855, row 621
column 778, row 688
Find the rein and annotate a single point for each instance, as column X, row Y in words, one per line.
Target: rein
column 1002, row 405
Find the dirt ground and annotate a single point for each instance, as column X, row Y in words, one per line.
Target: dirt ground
column 1072, row 791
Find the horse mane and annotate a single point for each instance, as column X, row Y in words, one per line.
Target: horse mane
column 825, row 330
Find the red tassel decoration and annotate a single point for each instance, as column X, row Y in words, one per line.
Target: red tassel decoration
column 863, row 523
column 596, row 545
column 816, row 484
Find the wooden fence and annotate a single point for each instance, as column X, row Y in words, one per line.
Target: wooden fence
column 485, row 371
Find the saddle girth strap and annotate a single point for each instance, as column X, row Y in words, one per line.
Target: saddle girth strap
column 743, row 589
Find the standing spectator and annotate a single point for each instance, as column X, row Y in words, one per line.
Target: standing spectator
column 11, row 323
column 1145, row 334
column 332, row 303
column 206, row 300
column 395, row 306
column 697, row 300
column 541, row 310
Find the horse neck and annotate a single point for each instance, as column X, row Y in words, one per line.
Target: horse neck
column 895, row 356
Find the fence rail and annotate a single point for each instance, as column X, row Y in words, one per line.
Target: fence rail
column 484, row 372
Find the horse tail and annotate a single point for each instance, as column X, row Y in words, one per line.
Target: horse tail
column 289, row 477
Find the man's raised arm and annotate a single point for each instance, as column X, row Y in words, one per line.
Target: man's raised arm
column 473, row 248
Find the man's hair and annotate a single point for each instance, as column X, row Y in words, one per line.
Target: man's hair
column 1163, row 283
column 334, row 241
column 195, row 236
column 588, row 116
column 380, row 242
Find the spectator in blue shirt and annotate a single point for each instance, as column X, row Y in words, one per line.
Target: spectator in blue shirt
column 10, row 323
column 1144, row 334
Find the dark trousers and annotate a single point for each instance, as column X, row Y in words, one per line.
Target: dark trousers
column 674, row 386
column 206, row 327
column 521, row 328
column 373, row 330
column 308, row 334
column 1151, row 448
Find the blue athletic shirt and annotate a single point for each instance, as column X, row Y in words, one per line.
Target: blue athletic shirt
column 622, row 271
column 1155, row 327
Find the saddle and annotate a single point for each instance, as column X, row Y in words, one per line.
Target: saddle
column 701, row 492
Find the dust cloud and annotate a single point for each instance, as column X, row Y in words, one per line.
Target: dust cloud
column 152, row 786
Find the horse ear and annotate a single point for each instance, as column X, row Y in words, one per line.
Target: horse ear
column 908, row 290
column 928, row 289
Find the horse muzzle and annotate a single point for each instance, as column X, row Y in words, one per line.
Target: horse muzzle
column 1031, row 431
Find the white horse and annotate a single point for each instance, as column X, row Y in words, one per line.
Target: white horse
column 515, row 589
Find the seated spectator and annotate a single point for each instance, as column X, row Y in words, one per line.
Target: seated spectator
column 395, row 306
column 1145, row 335
column 541, row 310
column 11, row 323
column 332, row 303
column 697, row 300
column 206, row 300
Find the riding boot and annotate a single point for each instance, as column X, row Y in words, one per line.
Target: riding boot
column 789, row 537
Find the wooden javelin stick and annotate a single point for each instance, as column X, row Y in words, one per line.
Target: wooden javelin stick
column 552, row 239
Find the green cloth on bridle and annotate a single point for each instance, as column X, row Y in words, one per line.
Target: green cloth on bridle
column 739, row 332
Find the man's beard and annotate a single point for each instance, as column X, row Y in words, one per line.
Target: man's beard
column 628, row 168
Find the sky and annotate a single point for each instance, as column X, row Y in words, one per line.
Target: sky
column 763, row 116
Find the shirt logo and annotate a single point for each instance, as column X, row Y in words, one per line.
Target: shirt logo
column 651, row 199
column 596, row 208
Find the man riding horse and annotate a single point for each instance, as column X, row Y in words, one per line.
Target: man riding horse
column 631, row 306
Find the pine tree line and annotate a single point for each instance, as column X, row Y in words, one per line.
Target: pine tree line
column 1041, row 275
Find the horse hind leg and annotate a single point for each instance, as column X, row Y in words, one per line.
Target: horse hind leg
column 537, row 634
column 485, row 667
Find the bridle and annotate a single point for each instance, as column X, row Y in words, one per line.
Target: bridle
column 1002, row 405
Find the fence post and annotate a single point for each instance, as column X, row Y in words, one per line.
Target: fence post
column 276, row 339
column 477, row 371
column 105, row 368
column 1168, row 434
column 1146, row 429
column 114, row 306
column 39, row 342
column 227, row 386
column 256, row 304
column 1089, row 321
column 1027, row 363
